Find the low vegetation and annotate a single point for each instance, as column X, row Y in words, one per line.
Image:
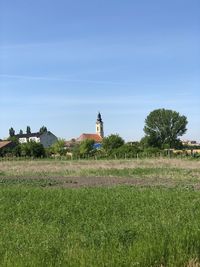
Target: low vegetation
column 182, row 169
column 120, row 226
column 59, row 213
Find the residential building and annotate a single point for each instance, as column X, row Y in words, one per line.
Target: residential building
column 190, row 143
column 6, row 144
column 46, row 139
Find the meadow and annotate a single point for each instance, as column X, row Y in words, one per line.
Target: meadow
column 50, row 218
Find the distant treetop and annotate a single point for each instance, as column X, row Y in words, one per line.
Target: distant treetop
column 43, row 129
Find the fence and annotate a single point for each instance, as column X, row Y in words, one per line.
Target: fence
column 120, row 156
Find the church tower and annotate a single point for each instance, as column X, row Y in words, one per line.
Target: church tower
column 99, row 126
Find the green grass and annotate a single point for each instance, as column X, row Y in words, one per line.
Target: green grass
column 42, row 224
column 143, row 173
column 173, row 169
column 137, row 172
column 120, row 226
column 168, row 177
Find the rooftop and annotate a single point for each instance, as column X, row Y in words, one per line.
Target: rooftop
column 28, row 135
column 4, row 143
column 95, row 137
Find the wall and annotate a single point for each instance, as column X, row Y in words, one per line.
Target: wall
column 47, row 139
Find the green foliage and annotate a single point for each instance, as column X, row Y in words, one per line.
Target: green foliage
column 76, row 150
column 17, row 151
column 11, row 132
column 13, row 139
column 86, row 147
column 32, row 149
column 163, row 127
column 121, row 226
column 130, row 149
column 151, row 150
column 58, row 147
column 43, row 129
column 125, row 151
column 21, row 131
column 114, row 141
column 28, row 129
column 145, row 142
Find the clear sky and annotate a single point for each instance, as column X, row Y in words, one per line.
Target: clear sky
column 62, row 61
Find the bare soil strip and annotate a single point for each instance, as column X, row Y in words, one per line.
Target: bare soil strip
column 78, row 182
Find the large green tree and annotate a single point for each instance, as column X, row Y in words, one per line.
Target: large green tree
column 163, row 128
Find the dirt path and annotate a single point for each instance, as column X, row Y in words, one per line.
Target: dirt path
column 78, row 182
column 75, row 182
column 81, row 182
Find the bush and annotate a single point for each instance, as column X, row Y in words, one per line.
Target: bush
column 112, row 142
column 58, row 148
column 32, row 149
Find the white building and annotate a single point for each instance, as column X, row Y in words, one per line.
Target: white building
column 46, row 139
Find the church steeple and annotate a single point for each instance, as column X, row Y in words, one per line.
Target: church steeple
column 99, row 119
column 99, row 125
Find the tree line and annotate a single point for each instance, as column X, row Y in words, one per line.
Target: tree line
column 12, row 132
column 163, row 129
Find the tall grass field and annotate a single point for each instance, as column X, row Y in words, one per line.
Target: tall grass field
column 43, row 225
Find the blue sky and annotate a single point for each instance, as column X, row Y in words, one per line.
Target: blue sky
column 63, row 61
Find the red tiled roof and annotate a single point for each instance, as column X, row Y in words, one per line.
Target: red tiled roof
column 4, row 143
column 97, row 138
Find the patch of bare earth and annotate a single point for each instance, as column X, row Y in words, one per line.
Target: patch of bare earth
column 75, row 182
column 88, row 182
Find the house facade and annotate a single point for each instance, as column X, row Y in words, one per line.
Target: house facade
column 46, row 139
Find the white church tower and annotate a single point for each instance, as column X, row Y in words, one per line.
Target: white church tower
column 99, row 126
